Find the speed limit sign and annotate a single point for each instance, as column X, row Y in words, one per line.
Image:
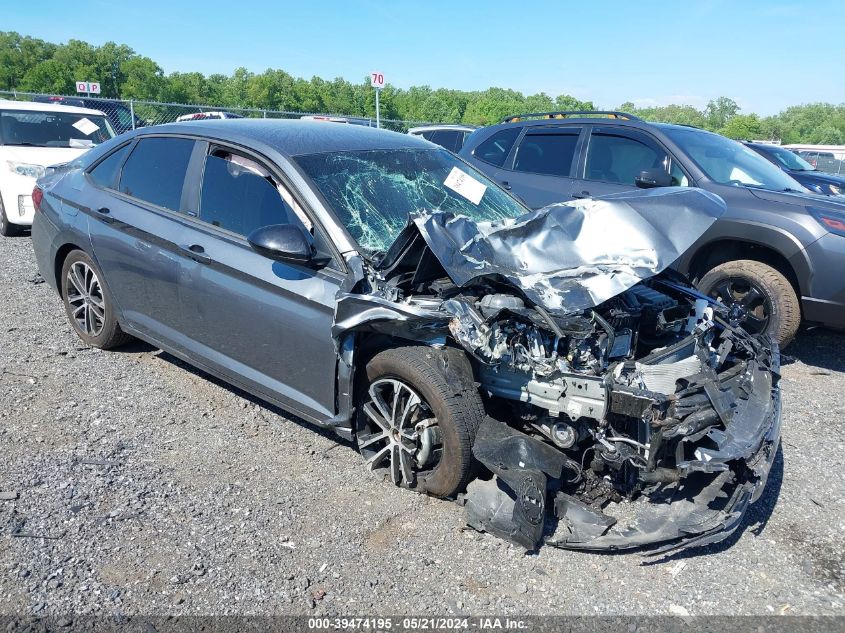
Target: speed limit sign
column 377, row 80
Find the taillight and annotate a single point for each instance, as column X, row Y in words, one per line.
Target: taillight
column 37, row 196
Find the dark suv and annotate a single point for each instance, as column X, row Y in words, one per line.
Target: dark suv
column 814, row 179
column 775, row 255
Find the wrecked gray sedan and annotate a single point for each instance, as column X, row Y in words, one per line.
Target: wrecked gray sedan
column 545, row 368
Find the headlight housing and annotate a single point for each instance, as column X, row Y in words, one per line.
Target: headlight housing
column 26, row 169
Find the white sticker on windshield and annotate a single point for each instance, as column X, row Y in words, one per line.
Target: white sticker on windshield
column 462, row 183
column 86, row 126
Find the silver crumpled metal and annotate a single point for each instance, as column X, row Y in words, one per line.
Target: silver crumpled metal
column 573, row 256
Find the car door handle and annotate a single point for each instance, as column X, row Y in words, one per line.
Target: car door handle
column 197, row 253
column 105, row 215
column 583, row 194
column 506, row 185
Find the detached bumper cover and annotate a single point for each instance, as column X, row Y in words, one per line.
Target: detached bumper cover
column 706, row 506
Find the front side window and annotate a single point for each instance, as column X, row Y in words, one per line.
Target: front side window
column 496, row 148
column 33, row 128
column 617, row 157
column 240, row 195
column 155, row 171
column 373, row 192
column 107, row 171
column 549, row 153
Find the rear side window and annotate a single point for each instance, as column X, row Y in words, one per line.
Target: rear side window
column 155, row 171
column 447, row 139
column 496, row 148
column 547, row 153
column 240, row 195
column 106, row 173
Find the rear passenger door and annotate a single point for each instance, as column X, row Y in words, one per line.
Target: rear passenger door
column 138, row 203
column 543, row 165
column 616, row 156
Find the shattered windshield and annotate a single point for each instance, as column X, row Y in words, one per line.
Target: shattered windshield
column 372, row 192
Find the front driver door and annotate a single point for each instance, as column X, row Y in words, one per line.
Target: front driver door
column 265, row 324
column 616, row 156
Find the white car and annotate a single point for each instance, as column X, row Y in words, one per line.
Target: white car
column 451, row 137
column 34, row 136
column 201, row 116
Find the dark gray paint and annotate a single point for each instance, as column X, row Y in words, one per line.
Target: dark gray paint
column 771, row 222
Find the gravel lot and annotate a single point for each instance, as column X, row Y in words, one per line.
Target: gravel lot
column 148, row 488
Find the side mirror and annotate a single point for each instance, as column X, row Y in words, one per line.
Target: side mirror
column 282, row 242
column 650, row 178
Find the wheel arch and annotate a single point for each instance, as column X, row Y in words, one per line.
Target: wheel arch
column 61, row 255
column 723, row 250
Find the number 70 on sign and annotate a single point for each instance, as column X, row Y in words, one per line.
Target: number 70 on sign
column 377, row 80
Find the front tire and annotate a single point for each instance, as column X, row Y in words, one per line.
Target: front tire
column 88, row 305
column 759, row 295
column 414, row 426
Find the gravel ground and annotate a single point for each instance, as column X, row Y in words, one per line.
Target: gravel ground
column 146, row 487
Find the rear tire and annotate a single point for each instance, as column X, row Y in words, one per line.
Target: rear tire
column 7, row 229
column 448, row 410
column 779, row 298
column 88, row 305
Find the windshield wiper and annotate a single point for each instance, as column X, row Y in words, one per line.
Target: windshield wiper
column 25, row 144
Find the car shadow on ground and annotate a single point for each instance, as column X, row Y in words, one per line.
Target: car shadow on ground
column 817, row 347
column 140, row 347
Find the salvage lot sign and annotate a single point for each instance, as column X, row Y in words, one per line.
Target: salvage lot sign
column 90, row 87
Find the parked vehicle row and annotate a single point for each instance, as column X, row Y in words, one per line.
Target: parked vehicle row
column 34, row 136
column 804, row 172
column 773, row 257
column 379, row 285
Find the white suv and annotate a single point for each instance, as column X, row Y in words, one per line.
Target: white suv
column 34, row 136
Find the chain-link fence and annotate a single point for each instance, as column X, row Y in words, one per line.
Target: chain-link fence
column 125, row 115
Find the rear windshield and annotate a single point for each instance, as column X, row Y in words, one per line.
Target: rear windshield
column 53, row 129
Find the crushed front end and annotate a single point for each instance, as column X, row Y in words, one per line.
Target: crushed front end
column 624, row 408
column 663, row 417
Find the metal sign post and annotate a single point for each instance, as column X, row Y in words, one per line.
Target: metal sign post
column 377, row 82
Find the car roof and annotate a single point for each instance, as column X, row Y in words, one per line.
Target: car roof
column 7, row 104
column 293, row 137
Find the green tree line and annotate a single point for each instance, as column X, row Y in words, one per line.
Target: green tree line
column 33, row 65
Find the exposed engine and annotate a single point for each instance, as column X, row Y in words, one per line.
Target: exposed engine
column 605, row 380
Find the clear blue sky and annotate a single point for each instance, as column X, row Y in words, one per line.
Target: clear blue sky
column 766, row 55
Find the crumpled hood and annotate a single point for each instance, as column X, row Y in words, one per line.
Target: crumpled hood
column 573, row 256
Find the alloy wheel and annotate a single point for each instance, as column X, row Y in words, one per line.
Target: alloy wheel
column 746, row 302
column 85, row 298
column 398, row 431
